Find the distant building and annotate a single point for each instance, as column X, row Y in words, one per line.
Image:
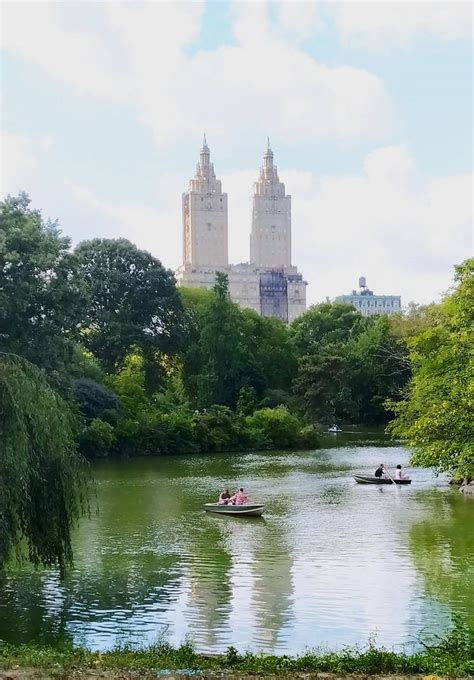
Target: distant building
column 369, row 304
column 269, row 284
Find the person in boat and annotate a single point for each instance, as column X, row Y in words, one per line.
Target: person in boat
column 239, row 498
column 379, row 472
column 224, row 497
column 399, row 474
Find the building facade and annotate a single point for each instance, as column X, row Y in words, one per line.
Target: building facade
column 369, row 304
column 205, row 216
column 270, row 238
column 269, row 284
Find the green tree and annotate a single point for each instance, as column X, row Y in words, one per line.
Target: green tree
column 133, row 302
column 436, row 418
column 214, row 363
column 380, row 369
column 322, row 388
column 96, row 401
column 326, row 323
column 129, row 384
column 268, row 347
column 97, row 439
column 42, row 478
column 41, row 296
column 277, row 428
column 247, row 401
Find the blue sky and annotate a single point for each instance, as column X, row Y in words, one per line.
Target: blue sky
column 368, row 107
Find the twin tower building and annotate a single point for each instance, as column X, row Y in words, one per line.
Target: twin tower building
column 269, row 283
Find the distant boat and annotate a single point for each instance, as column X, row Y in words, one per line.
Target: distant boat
column 246, row 510
column 360, row 479
column 334, row 428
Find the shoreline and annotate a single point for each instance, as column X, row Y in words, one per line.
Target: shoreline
column 452, row 656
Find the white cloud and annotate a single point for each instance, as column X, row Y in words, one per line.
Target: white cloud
column 37, row 31
column 402, row 230
column 19, row 158
column 159, row 232
column 143, row 58
column 299, row 19
column 383, row 25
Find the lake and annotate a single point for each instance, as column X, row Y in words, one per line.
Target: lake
column 330, row 563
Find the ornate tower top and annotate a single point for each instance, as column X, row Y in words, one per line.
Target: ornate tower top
column 205, row 174
column 268, row 159
column 268, row 182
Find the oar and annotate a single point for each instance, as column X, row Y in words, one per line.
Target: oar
column 389, row 476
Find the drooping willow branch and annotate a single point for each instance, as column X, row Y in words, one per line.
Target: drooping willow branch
column 43, row 480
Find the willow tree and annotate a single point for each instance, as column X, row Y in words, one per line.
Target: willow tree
column 43, row 481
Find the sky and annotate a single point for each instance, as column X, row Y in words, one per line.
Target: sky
column 368, row 106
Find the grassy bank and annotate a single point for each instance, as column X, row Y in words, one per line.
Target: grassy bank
column 451, row 656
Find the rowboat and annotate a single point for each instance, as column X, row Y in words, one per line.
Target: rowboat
column 360, row 479
column 246, row 510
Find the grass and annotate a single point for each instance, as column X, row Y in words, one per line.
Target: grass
column 449, row 656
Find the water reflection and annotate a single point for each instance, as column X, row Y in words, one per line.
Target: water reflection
column 444, row 553
column 331, row 562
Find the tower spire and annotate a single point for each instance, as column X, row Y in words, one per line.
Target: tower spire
column 268, row 158
column 204, row 155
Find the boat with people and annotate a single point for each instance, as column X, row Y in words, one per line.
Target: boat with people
column 334, row 428
column 245, row 510
column 362, row 479
column 236, row 504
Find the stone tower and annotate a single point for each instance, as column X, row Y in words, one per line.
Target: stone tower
column 270, row 238
column 205, row 217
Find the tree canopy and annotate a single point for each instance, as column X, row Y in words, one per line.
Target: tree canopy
column 437, row 416
column 131, row 301
column 41, row 297
column 348, row 366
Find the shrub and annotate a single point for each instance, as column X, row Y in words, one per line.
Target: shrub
column 97, row 439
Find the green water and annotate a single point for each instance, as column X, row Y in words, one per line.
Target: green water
column 331, row 562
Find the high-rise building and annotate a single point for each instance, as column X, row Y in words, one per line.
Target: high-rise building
column 205, row 216
column 270, row 238
column 269, row 284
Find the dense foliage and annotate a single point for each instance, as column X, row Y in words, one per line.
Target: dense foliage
column 131, row 301
column 42, row 478
column 41, row 298
column 437, row 415
column 348, row 366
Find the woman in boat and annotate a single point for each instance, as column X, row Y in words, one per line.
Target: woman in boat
column 239, row 498
column 224, row 497
column 399, row 474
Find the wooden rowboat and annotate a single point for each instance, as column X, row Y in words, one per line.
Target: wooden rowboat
column 246, row 510
column 360, row 479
